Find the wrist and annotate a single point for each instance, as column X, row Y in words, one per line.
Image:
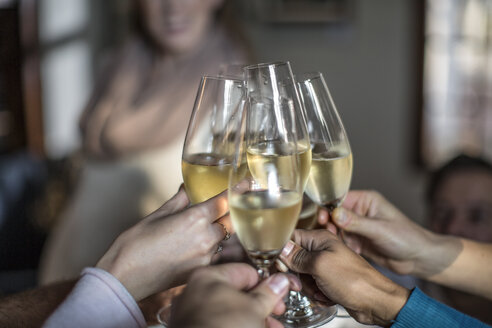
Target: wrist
column 387, row 299
column 436, row 254
column 393, row 299
column 119, row 269
column 424, row 259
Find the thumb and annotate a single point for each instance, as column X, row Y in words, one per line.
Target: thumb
column 351, row 222
column 269, row 292
column 297, row 258
column 177, row 203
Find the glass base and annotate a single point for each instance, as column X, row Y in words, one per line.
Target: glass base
column 302, row 313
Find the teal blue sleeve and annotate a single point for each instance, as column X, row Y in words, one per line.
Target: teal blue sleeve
column 424, row 312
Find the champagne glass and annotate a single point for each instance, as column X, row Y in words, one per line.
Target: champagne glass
column 209, row 145
column 232, row 70
column 208, row 149
column 300, row 311
column 265, row 187
column 331, row 167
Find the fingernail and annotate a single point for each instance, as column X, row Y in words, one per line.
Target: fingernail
column 341, row 217
column 281, row 266
column 288, row 248
column 295, row 282
column 278, row 283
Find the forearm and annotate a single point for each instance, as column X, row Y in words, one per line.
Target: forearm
column 116, row 139
column 471, row 271
column 98, row 299
column 31, row 308
column 435, row 254
column 386, row 299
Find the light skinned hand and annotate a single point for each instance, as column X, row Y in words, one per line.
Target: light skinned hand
column 345, row 277
column 163, row 249
column 375, row 228
column 379, row 231
column 232, row 251
column 231, row 295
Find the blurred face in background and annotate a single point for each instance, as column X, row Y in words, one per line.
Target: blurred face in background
column 178, row 26
column 462, row 205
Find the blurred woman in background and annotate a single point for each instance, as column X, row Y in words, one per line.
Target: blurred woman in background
column 460, row 202
column 134, row 125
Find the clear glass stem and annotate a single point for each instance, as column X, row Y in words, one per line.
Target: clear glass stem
column 263, row 272
column 298, row 304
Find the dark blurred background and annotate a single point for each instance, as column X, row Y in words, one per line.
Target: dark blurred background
column 398, row 71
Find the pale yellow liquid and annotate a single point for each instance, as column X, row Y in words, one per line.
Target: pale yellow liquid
column 308, row 219
column 329, row 180
column 264, row 221
column 271, row 160
column 205, row 175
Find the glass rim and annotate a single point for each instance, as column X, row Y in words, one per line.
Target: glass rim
column 308, row 76
column 267, row 64
column 221, row 78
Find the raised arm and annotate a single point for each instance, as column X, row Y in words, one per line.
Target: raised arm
column 379, row 231
column 371, row 298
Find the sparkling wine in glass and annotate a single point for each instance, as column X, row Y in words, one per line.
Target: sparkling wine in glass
column 208, row 149
column 209, row 145
column 308, row 219
column 331, row 166
column 300, row 310
column 265, row 187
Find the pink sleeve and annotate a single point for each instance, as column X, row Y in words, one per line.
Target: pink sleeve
column 97, row 300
